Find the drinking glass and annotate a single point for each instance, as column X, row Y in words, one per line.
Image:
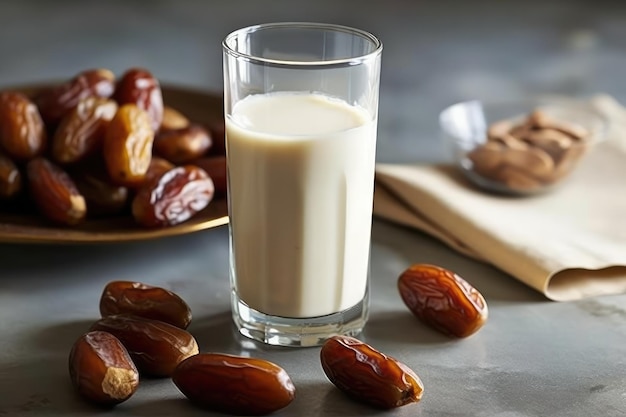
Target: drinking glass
column 301, row 105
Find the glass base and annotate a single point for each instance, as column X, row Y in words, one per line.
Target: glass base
column 298, row 332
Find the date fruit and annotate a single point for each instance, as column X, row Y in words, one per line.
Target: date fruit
column 215, row 166
column 81, row 131
column 138, row 86
column 173, row 198
column 56, row 102
column 127, row 145
column 443, row 300
column 158, row 166
column 182, row 145
column 139, row 299
column 102, row 197
column 173, row 119
column 55, row 193
column 22, row 131
column 10, row 178
column 101, row 369
column 155, row 346
column 368, row 375
column 234, row 384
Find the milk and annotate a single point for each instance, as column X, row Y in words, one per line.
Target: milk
column 301, row 174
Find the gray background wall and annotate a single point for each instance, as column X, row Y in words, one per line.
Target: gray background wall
column 436, row 52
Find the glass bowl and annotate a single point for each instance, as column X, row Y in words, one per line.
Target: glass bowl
column 524, row 146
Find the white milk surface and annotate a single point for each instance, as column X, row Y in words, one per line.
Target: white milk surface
column 301, row 177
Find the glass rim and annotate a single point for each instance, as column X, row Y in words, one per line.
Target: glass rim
column 351, row 60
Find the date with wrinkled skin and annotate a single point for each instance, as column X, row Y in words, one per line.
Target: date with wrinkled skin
column 127, row 147
column 234, row 384
column 81, row 131
column 443, row 300
column 54, row 192
column 173, row 119
column 368, row 375
column 215, row 166
column 103, row 198
column 156, row 347
column 56, row 102
column 101, row 369
column 22, row 131
column 10, row 178
column 138, row 86
column 139, row 299
column 180, row 146
column 174, row 197
column 158, row 166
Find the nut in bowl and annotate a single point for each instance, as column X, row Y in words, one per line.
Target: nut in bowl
column 521, row 147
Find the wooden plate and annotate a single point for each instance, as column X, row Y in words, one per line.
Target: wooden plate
column 198, row 106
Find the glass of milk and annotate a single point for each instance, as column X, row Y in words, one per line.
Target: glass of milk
column 301, row 104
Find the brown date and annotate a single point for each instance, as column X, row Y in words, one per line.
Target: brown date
column 54, row 103
column 101, row 369
column 54, row 192
column 173, row 119
column 22, row 132
column 127, row 147
column 81, row 131
column 182, row 145
column 368, row 375
column 173, row 198
column 10, row 178
column 443, row 300
column 102, row 197
column 215, row 166
column 158, row 166
column 234, row 384
column 138, row 86
column 139, row 299
column 155, row 346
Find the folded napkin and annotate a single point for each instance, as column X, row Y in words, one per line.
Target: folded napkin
column 569, row 243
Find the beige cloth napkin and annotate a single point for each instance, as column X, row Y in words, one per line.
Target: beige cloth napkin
column 568, row 244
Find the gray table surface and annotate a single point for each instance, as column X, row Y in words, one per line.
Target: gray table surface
column 533, row 358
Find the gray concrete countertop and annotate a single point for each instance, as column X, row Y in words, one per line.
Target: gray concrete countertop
column 533, row 358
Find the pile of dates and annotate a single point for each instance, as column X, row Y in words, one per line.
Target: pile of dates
column 142, row 332
column 96, row 145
